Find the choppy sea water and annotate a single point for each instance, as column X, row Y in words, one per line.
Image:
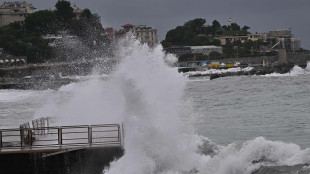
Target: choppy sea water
column 243, row 107
column 176, row 125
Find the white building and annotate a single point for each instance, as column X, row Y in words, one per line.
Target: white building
column 206, row 50
column 11, row 12
column 77, row 11
column 146, row 34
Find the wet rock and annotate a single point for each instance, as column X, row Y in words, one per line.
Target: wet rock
column 208, row 147
column 298, row 169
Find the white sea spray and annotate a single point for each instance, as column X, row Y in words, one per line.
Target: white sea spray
column 145, row 94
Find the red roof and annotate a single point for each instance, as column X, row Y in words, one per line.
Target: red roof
column 128, row 25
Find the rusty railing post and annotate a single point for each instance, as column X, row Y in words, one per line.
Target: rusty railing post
column 30, row 138
column 47, row 124
column 60, row 136
column 0, row 140
column 90, row 135
column 42, row 124
column 21, row 134
column 119, row 134
column 123, row 135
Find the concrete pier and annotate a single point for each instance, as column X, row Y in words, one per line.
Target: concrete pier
column 76, row 149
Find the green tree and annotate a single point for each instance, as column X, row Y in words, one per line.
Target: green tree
column 216, row 42
column 33, row 55
column 13, row 29
column 18, row 48
column 166, row 44
column 245, row 28
column 216, row 27
column 42, row 22
column 226, row 28
column 214, row 55
column 249, row 44
column 235, row 27
column 64, row 11
column 195, row 25
column 86, row 13
column 228, row 49
column 5, row 41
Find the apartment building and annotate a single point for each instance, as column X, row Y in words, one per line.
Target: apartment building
column 11, row 12
column 205, row 50
column 242, row 39
column 144, row 33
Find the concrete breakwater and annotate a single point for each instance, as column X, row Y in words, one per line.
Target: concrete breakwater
column 261, row 65
column 216, row 73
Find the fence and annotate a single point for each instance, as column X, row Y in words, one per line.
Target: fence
column 63, row 137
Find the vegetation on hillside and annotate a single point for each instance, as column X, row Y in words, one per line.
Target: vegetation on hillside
column 196, row 33
column 27, row 40
column 191, row 33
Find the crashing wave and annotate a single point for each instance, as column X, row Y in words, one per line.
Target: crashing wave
column 295, row 71
column 218, row 71
column 144, row 94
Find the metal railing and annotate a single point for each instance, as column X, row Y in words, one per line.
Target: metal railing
column 63, row 137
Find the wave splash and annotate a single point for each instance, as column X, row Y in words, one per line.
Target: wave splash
column 156, row 141
column 247, row 157
column 145, row 94
column 295, row 71
column 217, row 71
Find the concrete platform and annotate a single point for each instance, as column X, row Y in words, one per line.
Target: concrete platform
column 79, row 161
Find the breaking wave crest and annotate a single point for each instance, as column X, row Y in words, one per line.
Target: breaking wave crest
column 156, row 140
column 218, row 71
column 295, row 71
column 144, row 94
column 247, row 157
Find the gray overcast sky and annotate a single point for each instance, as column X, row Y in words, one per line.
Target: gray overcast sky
column 260, row 15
